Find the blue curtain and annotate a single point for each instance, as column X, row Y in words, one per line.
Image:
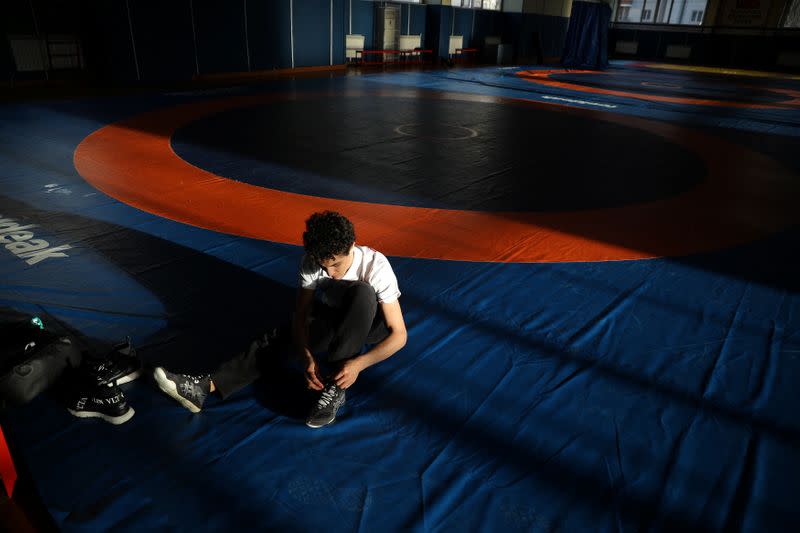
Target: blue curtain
column 586, row 45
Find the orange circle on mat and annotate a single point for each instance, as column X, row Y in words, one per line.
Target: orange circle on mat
column 544, row 77
column 743, row 198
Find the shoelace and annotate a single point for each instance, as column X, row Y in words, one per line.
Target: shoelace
column 195, row 379
column 327, row 397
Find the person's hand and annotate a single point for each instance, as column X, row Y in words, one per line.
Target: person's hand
column 312, row 376
column 348, row 374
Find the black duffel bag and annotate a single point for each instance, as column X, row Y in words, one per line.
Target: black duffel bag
column 34, row 353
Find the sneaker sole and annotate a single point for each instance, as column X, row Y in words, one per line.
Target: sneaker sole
column 317, row 426
column 116, row 420
column 130, row 377
column 332, row 420
column 169, row 388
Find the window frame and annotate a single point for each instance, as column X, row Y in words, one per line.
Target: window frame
column 480, row 5
column 647, row 5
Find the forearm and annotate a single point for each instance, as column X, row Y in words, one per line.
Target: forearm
column 300, row 334
column 383, row 350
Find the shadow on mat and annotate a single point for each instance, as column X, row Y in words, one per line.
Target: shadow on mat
column 211, row 308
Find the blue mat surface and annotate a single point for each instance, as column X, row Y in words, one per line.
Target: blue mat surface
column 615, row 396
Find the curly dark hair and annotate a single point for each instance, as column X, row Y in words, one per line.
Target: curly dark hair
column 328, row 234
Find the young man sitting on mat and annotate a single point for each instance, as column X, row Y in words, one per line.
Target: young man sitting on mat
column 347, row 297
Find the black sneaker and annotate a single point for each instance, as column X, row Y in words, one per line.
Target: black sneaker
column 331, row 399
column 190, row 391
column 120, row 366
column 104, row 401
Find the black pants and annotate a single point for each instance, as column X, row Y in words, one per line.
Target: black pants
column 339, row 332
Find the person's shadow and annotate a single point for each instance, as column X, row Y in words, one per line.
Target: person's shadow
column 282, row 389
column 211, row 307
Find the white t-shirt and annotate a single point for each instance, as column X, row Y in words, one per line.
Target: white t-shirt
column 368, row 265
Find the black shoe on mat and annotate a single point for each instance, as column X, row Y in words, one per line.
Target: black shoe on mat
column 106, row 402
column 120, row 366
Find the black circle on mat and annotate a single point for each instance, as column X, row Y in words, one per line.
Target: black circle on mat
column 520, row 159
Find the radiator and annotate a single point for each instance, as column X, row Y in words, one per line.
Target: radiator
column 789, row 59
column 626, row 47
column 678, row 51
column 29, row 53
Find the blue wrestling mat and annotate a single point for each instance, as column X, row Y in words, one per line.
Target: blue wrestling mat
column 637, row 373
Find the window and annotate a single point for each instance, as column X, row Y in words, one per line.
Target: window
column 494, row 5
column 663, row 11
column 792, row 18
column 630, row 10
column 624, row 14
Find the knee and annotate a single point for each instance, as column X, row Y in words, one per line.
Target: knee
column 362, row 293
column 361, row 288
